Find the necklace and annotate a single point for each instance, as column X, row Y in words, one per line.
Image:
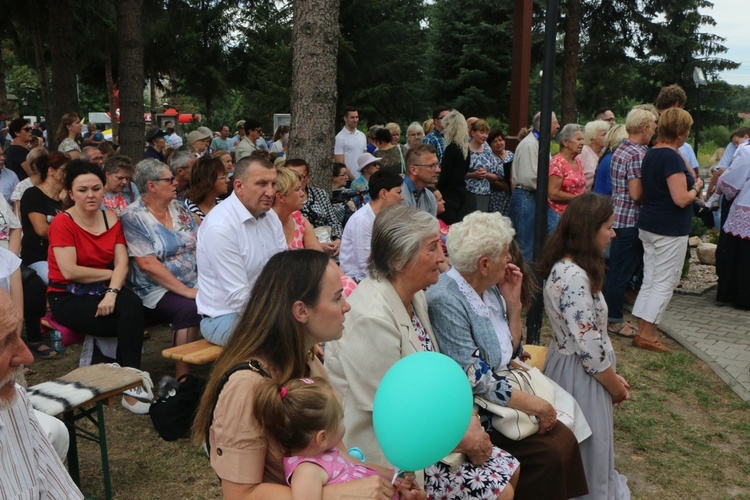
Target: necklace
column 163, row 219
column 91, row 229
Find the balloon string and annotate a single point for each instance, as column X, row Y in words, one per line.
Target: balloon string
column 396, row 472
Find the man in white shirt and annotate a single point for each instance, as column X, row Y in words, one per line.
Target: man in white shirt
column 29, row 466
column 235, row 241
column 385, row 191
column 350, row 142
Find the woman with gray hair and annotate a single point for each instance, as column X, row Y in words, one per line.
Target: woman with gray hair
column 161, row 239
column 595, row 144
column 388, row 321
column 566, row 175
column 454, row 165
column 475, row 312
column 414, row 134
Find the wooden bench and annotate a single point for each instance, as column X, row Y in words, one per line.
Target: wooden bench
column 199, row 352
column 109, row 382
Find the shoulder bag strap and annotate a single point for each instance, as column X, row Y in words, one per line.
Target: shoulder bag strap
column 245, row 365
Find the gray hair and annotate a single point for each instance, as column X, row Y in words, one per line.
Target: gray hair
column 85, row 152
column 181, row 159
column 115, row 163
column 478, row 235
column 146, row 171
column 415, row 127
column 592, row 129
column 397, row 235
column 536, row 121
column 569, row 130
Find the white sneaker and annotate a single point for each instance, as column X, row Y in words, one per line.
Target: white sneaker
column 139, row 407
column 143, row 403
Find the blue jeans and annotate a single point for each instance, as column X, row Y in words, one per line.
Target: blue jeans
column 625, row 253
column 218, row 330
column 521, row 212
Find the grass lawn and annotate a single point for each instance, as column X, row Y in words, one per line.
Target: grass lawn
column 682, row 435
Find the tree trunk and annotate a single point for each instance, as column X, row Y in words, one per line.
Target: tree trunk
column 130, row 36
column 63, row 56
column 3, row 92
column 570, row 61
column 152, row 88
column 41, row 68
column 114, row 125
column 315, row 39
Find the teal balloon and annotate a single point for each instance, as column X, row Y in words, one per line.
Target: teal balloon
column 422, row 410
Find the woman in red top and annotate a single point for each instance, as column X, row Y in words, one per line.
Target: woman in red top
column 566, row 177
column 88, row 262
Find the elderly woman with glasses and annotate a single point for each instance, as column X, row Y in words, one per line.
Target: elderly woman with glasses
column 161, row 237
column 388, row 321
column 414, row 134
column 475, row 312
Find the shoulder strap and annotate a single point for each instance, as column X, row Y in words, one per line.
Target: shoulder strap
column 245, row 365
column 106, row 222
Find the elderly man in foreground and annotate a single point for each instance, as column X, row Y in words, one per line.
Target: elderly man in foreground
column 29, row 466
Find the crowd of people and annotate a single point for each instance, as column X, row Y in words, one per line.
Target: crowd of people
column 424, row 245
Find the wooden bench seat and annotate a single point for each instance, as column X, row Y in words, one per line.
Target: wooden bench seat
column 199, row 352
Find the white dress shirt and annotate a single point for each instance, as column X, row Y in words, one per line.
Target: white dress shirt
column 355, row 243
column 351, row 145
column 29, row 466
column 233, row 246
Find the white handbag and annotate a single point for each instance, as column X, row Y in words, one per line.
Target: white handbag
column 516, row 424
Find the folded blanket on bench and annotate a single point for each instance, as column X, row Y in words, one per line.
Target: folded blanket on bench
column 83, row 384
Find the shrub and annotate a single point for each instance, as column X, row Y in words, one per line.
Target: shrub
column 698, row 229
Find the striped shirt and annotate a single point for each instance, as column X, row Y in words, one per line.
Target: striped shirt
column 625, row 166
column 29, row 466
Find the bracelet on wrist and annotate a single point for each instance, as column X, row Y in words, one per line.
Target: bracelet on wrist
column 113, row 290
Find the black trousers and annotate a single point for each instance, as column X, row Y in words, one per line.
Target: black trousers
column 34, row 303
column 126, row 323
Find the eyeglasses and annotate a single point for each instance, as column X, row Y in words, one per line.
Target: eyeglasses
column 26, row 129
column 441, row 117
column 168, row 179
column 431, row 166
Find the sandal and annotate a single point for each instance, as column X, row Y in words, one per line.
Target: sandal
column 623, row 329
column 41, row 350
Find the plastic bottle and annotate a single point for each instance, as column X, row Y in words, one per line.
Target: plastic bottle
column 55, row 338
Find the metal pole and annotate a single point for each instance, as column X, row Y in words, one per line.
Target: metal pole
column 697, row 120
column 534, row 316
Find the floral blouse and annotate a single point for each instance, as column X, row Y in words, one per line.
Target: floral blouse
column 68, row 145
column 361, row 186
column 573, row 181
column 488, row 161
column 174, row 248
column 578, row 318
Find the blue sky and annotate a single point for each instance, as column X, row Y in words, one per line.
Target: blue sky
column 733, row 23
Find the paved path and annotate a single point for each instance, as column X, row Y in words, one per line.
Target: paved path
column 719, row 335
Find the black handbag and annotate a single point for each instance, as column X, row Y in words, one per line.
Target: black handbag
column 173, row 415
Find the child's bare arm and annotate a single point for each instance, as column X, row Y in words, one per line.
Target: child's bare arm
column 308, row 481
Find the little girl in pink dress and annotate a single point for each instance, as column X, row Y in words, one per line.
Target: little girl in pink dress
column 305, row 416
